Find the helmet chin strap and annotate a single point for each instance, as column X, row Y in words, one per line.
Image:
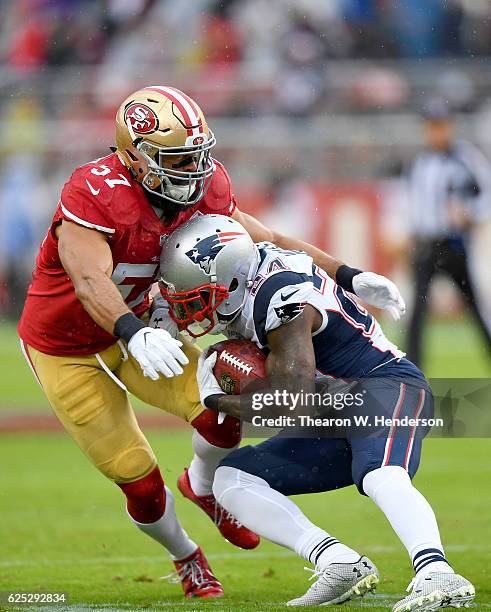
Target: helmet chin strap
column 178, row 192
column 218, row 326
column 140, row 169
column 146, row 171
column 152, row 180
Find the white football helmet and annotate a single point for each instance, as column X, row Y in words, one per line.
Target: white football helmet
column 206, row 266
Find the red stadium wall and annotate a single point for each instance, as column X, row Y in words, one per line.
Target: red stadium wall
column 347, row 220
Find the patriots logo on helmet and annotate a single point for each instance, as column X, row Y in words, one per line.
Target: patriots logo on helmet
column 205, row 251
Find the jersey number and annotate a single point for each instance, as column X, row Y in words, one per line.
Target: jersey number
column 351, row 311
column 103, row 170
column 124, row 271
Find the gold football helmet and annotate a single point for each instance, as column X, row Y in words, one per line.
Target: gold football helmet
column 163, row 137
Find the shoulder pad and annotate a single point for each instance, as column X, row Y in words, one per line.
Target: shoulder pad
column 219, row 194
column 108, row 187
column 290, row 287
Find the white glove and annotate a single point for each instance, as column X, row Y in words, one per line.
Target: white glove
column 160, row 319
column 157, row 352
column 207, row 383
column 380, row 292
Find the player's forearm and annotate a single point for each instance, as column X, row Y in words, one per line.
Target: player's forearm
column 268, row 402
column 87, row 259
column 260, row 233
column 290, row 373
column 246, row 405
column 323, row 260
column 101, row 299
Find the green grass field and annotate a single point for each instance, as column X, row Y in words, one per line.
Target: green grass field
column 63, row 527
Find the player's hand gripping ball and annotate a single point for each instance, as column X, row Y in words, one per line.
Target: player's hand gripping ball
column 239, row 363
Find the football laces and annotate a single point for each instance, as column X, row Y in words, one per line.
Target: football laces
column 236, row 362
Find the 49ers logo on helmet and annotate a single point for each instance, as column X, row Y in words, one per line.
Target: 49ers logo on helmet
column 141, row 118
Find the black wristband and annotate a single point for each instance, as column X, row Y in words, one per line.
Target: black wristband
column 345, row 276
column 211, row 401
column 127, row 325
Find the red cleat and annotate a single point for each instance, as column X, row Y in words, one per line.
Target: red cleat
column 227, row 525
column 196, row 577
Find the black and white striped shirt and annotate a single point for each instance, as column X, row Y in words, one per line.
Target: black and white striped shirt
column 435, row 179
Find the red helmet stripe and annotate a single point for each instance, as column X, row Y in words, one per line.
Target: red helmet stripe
column 191, row 102
column 229, row 236
column 188, row 112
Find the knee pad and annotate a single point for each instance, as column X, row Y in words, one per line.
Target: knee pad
column 381, row 476
column 225, row 435
column 129, row 464
column 145, row 497
column 227, row 478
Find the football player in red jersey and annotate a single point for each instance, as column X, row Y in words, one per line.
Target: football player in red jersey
column 85, row 328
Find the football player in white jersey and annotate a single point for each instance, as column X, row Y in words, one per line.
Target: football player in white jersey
column 217, row 280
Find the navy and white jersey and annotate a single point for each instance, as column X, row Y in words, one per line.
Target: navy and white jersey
column 435, row 179
column 349, row 343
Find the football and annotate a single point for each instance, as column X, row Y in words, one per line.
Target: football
column 239, row 363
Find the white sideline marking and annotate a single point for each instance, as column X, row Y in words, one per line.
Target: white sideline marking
column 146, row 559
column 212, row 556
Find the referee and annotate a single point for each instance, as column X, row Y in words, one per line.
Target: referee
column 449, row 185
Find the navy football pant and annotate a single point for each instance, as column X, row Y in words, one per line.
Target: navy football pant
column 311, row 465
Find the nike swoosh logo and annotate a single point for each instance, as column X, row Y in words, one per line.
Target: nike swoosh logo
column 286, row 297
column 94, row 191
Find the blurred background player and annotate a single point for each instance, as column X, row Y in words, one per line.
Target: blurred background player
column 449, row 194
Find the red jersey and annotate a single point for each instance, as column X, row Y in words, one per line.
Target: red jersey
column 102, row 195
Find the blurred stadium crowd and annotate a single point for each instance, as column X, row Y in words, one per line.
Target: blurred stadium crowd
column 312, row 102
column 37, row 33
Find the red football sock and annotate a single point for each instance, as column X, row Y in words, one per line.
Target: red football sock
column 146, row 497
column 225, row 435
column 211, row 443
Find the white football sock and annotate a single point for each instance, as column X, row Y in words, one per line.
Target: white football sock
column 410, row 515
column 272, row 515
column 168, row 532
column 204, row 463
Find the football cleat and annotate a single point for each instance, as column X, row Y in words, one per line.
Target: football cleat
column 227, row 525
column 339, row 582
column 196, row 577
column 436, row 590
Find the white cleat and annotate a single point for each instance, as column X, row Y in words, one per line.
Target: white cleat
column 437, row 590
column 339, row 582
